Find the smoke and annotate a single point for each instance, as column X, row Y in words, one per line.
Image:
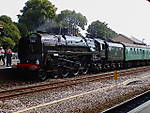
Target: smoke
column 47, row 26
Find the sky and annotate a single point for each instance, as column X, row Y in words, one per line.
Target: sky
column 127, row 17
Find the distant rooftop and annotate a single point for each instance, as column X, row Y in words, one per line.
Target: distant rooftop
column 136, row 40
column 125, row 39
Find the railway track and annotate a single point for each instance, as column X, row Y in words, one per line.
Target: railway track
column 14, row 83
column 130, row 104
column 12, row 93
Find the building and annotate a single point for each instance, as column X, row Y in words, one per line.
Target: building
column 125, row 39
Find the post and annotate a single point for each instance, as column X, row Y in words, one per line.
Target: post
column 115, row 75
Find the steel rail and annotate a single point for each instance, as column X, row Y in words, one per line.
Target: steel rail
column 65, row 83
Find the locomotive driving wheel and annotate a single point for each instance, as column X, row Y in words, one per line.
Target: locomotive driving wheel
column 76, row 70
column 64, row 72
column 42, row 75
column 85, row 68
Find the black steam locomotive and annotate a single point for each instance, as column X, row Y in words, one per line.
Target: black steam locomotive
column 63, row 55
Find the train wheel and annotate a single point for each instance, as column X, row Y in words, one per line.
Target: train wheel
column 85, row 69
column 76, row 70
column 42, row 75
column 56, row 76
column 64, row 73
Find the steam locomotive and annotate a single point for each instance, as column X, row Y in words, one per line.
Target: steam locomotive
column 64, row 55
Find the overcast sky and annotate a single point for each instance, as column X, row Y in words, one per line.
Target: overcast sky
column 128, row 17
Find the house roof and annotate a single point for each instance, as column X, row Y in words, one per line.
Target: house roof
column 133, row 39
column 136, row 40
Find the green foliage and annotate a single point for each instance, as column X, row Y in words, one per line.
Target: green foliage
column 10, row 32
column 2, row 29
column 71, row 19
column 23, row 29
column 98, row 29
column 7, row 42
column 36, row 12
column 6, row 19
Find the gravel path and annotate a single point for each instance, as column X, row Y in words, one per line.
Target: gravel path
column 93, row 102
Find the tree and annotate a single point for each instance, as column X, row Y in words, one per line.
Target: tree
column 36, row 12
column 98, row 29
column 10, row 32
column 7, row 42
column 71, row 19
column 6, row 19
column 22, row 28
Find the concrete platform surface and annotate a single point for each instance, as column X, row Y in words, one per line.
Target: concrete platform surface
column 14, row 62
column 144, row 108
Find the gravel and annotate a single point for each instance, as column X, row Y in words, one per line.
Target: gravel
column 93, row 102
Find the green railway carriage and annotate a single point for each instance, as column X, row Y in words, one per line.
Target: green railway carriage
column 147, row 53
column 136, row 52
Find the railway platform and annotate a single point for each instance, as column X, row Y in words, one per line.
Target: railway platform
column 144, row 108
column 14, row 62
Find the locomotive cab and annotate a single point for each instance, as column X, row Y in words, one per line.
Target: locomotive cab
column 101, row 47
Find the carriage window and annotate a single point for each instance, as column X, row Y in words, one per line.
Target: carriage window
column 137, row 51
column 134, row 51
column 143, row 51
column 126, row 51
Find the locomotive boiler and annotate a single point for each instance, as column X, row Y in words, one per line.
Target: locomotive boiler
column 58, row 55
